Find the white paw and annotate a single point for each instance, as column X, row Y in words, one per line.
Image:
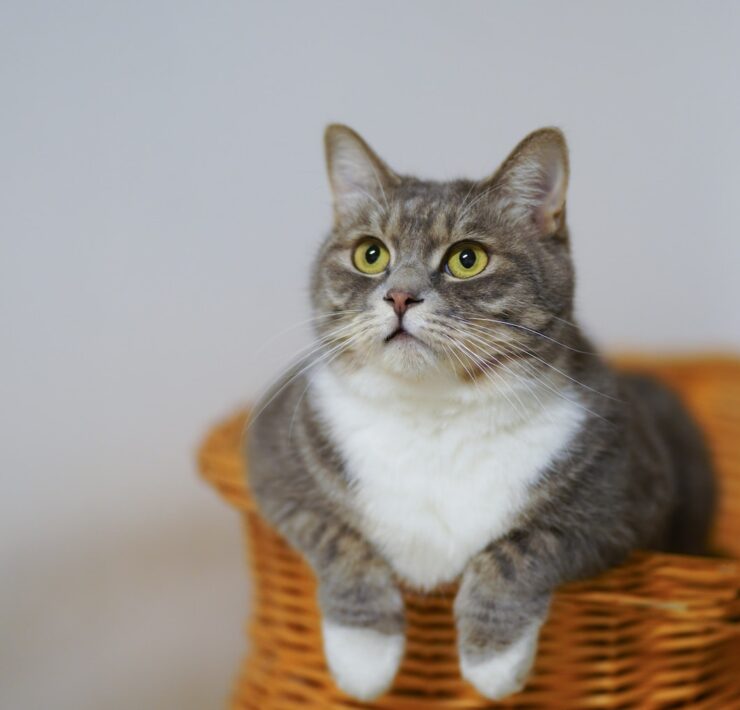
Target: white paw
column 363, row 662
column 506, row 672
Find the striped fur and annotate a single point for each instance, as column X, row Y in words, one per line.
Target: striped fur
column 487, row 442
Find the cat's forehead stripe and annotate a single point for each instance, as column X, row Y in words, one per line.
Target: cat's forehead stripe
column 421, row 221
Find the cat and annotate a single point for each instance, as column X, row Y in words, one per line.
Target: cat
column 454, row 423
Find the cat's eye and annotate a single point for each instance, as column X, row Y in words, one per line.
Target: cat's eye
column 465, row 259
column 371, row 256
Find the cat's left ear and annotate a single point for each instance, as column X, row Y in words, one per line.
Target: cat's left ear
column 531, row 184
column 356, row 173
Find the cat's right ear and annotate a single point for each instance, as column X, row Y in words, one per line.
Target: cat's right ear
column 356, row 174
column 531, row 185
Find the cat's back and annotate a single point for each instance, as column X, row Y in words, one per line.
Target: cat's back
column 658, row 414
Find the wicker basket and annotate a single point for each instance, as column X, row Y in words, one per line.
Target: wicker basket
column 659, row 632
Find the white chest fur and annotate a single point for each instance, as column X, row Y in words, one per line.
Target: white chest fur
column 436, row 479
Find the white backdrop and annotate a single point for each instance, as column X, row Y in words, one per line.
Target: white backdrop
column 162, row 192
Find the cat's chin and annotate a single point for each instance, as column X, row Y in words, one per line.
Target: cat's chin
column 408, row 356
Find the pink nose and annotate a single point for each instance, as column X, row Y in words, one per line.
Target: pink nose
column 401, row 301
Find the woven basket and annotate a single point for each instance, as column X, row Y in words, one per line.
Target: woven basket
column 661, row 631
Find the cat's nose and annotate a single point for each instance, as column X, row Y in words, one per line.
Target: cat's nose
column 401, row 300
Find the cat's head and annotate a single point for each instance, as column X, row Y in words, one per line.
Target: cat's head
column 457, row 277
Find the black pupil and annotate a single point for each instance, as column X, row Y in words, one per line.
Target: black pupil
column 372, row 254
column 467, row 258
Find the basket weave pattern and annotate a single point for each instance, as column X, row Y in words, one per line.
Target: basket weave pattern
column 661, row 631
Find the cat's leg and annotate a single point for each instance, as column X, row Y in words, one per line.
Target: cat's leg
column 297, row 480
column 499, row 613
column 362, row 608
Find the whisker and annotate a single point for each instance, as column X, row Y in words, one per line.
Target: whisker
column 465, row 199
column 318, row 343
column 459, row 359
column 299, row 324
column 485, row 366
column 382, row 190
column 347, row 344
column 299, row 372
column 559, row 393
column 566, row 321
column 521, row 349
column 530, row 330
column 475, row 201
column 504, row 366
column 465, row 350
column 538, row 377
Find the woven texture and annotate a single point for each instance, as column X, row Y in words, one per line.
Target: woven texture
column 661, row 631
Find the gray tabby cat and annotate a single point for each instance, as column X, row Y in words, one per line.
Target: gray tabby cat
column 454, row 421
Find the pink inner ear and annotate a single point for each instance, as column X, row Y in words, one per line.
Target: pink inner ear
column 532, row 183
column 553, row 186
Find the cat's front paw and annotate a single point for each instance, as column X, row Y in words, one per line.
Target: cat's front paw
column 504, row 673
column 363, row 661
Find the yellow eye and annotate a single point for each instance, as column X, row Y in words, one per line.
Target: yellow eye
column 465, row 260
column 371, row 256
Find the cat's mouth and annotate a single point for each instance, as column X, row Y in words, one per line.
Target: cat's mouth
column 399, row 333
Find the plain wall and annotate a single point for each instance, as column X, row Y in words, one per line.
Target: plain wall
column 162, row 192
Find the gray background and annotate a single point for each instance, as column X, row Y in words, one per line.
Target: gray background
column 162, row 193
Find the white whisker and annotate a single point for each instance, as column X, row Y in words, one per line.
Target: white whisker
column 521, row 349
column 346, row 345
column 465, row 199
column 488, row 191
column 299, row 324
column 491, row 354
column 382, row 190
column 530, row 330
column 476, row 360
column 302, row 370
column 538, row 378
